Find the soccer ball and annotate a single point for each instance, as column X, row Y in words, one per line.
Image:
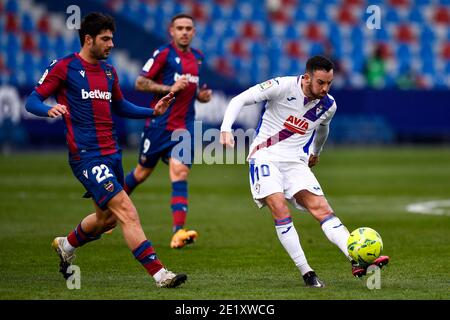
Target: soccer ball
column 364, row 245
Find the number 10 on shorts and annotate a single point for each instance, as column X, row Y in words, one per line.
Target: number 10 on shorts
column 256, row 171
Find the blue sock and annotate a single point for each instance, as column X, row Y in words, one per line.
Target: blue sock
column 130, row 182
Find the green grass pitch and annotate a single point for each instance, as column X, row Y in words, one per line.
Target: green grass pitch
column 237, row 255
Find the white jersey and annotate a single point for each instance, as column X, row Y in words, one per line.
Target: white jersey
column 289, row 121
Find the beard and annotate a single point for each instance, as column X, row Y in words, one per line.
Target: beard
column 316, row 95
column 99, row 54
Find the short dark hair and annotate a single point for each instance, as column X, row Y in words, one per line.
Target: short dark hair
column 179, row 16
column 318, row 63
column 94, row 23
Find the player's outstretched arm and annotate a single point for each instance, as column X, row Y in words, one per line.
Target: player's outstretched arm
column 163, row 104
column 36, row 106
column 126, row 109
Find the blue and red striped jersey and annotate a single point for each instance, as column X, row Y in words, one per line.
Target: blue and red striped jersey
column 88, row 91
column 166, row 66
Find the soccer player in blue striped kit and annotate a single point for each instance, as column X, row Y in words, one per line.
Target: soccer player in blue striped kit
column 87, row 92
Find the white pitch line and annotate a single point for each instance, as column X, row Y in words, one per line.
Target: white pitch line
column 438, row 207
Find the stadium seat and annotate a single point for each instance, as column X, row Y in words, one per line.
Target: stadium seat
column 293, row 49
column 28, row 42
column 313, row 32
column 445, row 51
column 12, row 6
column 442, row 15
column 405, row 34
column 345, row 16
column 11, row 24
column 27, row 23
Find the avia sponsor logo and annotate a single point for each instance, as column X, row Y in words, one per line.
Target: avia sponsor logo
column 190, row 78
column 95, row 94
column 296, row 125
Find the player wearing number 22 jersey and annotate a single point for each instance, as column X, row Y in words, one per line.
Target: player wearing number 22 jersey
column 87, row 92
column 289, row 138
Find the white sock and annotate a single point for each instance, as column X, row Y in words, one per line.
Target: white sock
column 337, row 233
column 287, row 234
column 157, row 276
column 67, row 246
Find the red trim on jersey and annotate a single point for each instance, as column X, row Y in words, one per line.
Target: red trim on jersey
column 101, row 109
column 70, row 136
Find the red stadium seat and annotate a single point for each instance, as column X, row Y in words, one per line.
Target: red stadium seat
column 399, row 3
column 238, row 48
column 250, row 30
column 293, row 49
column 313, row 32
column 11, row 24
column 199, row 12
column 405, row 34
column 446, row 51
column 222, row 65
column 353, row 2
column 345, row 16
column 43, row 25
column 442, row 15
column 279, row 16
column 28, row 43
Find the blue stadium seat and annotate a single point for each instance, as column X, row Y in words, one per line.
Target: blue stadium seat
column 404, row 53
column 29, row 68
column 12, row 6
column 59, row 46
column 12, row 44
column 415, row 15
column 428, row 67
column 392, row 16
column 426, row 34
column 27, row 23
column 381, row 35
column 317, row 48
column 44, row 43
column 291, row 33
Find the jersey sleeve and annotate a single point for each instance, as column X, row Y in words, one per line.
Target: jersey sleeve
column 116, row 91
column 268, row 90
column 155, row 64
column 52, row 79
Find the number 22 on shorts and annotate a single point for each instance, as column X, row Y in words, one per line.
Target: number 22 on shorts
column 101, row 173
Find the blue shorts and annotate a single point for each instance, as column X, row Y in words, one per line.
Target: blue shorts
column 102, row 177
column 158, row 143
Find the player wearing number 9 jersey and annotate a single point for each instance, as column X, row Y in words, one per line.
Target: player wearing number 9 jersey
column 87, row 92
column 289, row 138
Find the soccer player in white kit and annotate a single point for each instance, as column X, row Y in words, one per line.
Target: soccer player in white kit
column 289, row 138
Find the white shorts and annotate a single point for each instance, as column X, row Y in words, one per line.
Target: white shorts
column 267, row 177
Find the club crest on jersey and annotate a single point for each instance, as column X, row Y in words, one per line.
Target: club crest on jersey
column 109, row 186
column 108, row 73
column 296, row 125
column 319, row 110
